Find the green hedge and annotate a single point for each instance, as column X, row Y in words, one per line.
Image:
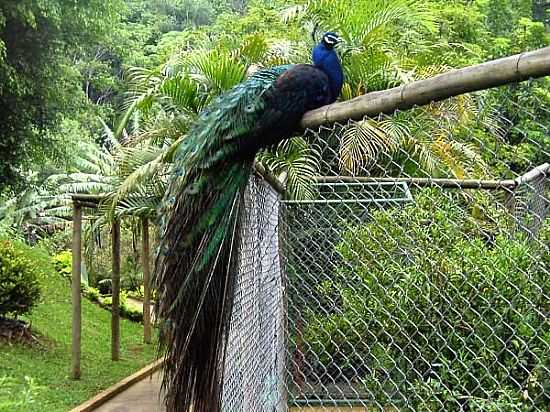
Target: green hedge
column 126, row 310
column 21, row 268
column 436, row 304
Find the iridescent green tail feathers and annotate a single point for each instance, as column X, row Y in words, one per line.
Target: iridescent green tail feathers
column 195, row 277
column 197, row 260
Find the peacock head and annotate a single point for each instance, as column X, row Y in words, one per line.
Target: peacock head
column 325, row 49
column 330, row 40
column 326, row 59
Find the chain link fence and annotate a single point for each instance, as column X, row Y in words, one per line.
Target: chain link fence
column 255, row 361
column 416, row 278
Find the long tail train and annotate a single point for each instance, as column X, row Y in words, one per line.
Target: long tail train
column 200, row 245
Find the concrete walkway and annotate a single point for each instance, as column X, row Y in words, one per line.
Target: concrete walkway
column 140, row 397
column 144, row 397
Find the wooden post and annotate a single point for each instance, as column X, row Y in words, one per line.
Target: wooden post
column 76, row 297
column 146, row 283
column 115, row 306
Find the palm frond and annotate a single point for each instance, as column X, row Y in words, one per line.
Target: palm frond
column 254, row 49
column 297, row 163
column 218, row 70
column 183, row 92
column 363, row 142
column 294, row 12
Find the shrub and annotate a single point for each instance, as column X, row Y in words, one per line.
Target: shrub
column 132, row 313
column 140, row 293
column 92, row 294
column 21, row 269
column 432, row 302
column 131, row 274
column 126, row 310
column 63, row 263
column 57, row 242
column 108, row 301
column 137, row 294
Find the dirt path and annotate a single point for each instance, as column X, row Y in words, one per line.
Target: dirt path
column 138, row 304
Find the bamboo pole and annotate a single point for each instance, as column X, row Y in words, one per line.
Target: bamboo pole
column 510, row 201
column 270, row 178
column 453, row 83
column 146, row 283
column 530, row 176
column 75, row 287
column 115, row 305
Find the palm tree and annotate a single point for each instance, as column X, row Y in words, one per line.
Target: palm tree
column 164, row 102
column 47, row 205
column 423, row 138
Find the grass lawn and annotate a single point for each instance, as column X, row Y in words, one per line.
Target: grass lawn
column 50, row 367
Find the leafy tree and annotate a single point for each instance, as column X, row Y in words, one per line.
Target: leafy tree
column 39, row 84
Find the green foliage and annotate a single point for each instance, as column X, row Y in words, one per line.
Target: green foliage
column 395, row 286
column 17, row 396
column 296, row 163
column 131, row 274
column 128, row 309
column 524, row 140
column 132, row 313
column 137, row 294
column 21, row 271
column 48, row 364
column 38, row 82
column 59, row 241
column 92, row 294
column 63, row 263
column 183, row 64
column 529, row 35
column 502, row 15
column 108, row 301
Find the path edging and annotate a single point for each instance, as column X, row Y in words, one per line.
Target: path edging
column 119, row 387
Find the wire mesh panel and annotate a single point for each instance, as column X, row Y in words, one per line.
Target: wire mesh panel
column 419, row 272
column 413, row 271
column 254, row 373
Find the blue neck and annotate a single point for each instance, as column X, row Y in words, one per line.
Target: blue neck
column 327, row 60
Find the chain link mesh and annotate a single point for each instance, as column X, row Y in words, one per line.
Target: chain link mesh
column 418, row 276
column 254, row 374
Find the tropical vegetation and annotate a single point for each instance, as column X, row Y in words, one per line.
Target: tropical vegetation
column 95, row 99
column 34, row 374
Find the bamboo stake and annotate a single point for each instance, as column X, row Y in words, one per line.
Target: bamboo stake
column 270, row 178
column 115, row 304
column 469, row 79
column 75, row 287
column 146, row 283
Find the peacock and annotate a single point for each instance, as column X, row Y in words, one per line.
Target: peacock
column 196, row 260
